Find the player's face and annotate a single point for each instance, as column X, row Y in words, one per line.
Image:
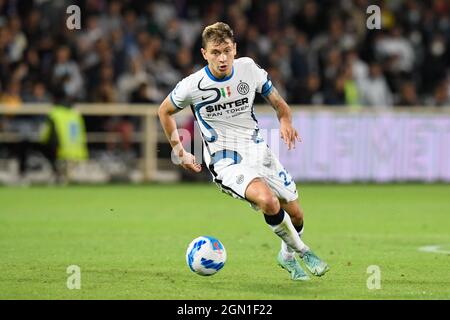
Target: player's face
column 220, row 57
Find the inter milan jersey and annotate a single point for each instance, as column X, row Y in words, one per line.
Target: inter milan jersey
column 223, row 107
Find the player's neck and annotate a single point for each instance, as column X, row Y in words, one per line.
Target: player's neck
column 219, row 77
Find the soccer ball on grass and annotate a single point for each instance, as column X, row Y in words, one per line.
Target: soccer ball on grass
column 206, row 255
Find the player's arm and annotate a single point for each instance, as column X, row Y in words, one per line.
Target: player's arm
column 165, row 112
column 287, row 131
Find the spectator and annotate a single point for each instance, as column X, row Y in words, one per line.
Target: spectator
column 408, row 95
column 130, row 81
column 308, row 91
column 67, row 68
column 398, row 48
column 441, row 97
column 360, row 69
column 294, row 38
column 142, row 94
column 374, row 90
column 437, row 57
column 11, row 97
column 18, row 42
column 351, row 91
column 38, row 94
column 309, row 19
column 335, row 94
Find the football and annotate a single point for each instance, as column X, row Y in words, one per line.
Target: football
column 206, row 256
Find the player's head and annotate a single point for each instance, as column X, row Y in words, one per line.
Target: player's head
column 219, row 48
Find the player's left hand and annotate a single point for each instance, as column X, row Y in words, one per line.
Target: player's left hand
column 289, row 134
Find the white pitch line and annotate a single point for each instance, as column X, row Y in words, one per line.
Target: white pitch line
column 434, row 249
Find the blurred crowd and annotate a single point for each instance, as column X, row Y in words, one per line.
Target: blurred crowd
column 316, row 52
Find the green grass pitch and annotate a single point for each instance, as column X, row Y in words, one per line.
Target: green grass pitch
column 130, row 242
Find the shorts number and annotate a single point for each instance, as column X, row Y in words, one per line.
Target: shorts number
column 283, row 174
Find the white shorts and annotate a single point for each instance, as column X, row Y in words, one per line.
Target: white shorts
column 234, row 175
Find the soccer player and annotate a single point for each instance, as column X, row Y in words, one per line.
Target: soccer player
column 221, row 97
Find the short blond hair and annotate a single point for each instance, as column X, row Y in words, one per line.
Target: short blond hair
column 218, row 32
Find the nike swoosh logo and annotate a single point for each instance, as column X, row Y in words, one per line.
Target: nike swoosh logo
column 203, row 98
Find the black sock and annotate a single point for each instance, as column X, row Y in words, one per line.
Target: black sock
column 275, row 219
column 299, row 228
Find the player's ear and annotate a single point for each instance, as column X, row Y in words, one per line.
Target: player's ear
column 203, row 53
column 235, row 48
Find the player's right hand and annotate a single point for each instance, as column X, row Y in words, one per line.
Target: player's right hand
column 188, row 162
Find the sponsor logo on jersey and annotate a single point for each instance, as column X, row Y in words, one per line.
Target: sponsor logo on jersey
column 229, row 105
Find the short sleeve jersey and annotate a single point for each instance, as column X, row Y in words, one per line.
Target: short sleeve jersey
column 223, row 107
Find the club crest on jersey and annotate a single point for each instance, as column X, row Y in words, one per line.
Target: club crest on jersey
column 243, row 88
column 225, row 92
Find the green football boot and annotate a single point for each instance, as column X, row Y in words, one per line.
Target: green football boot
column 293, row 267
column 316, row 266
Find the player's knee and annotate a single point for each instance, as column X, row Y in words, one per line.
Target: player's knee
column 268, row 203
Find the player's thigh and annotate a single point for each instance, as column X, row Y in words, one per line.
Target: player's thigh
column 243, row 182
column 279, row 180
column 259, row 193
column 235, row 179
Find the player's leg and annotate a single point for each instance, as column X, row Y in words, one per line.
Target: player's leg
column 259, row 193
column 296, row 213
column 243, row 182
column 286, row 257
column 314, row 264
column 282, row 184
